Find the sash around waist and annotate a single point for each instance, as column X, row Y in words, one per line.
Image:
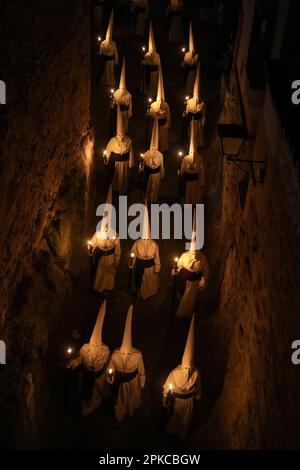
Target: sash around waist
column 187, row 275
column 151, row 68
column 123, row 377
column 152, row 171
column 190, row 176
column 118, row 157
column 183, row 396
column 194, row 116
column 107, row 58
column 102, row 252
column 145, row 263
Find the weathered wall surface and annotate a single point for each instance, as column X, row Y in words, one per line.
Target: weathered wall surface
column 43, row 184
column 249, row 369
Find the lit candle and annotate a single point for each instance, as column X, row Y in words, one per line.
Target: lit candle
column 149, row 100
column 175, row 262
column 69, row 350
column 180, row 153
column 170, row 388
column 183, row 49
column 141, row 155
column 99, row 38
column 143, row 48
column 132, row 256
column 112, row 90
column 187, row 98
column 110, row 371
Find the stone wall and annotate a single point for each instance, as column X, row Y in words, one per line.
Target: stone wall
column 43, row 189
column 249, row 368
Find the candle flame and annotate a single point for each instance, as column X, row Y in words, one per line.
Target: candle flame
column 170, row 387
column 112, row 90
column 143, row 48
column 180, row 154
column 150, row 100
column 176, row 259
column 69, row 350
column 183, row 49
column 141, row 154
column 187, row 97
column 99, row 38
column 110, row 371
column 132, row 255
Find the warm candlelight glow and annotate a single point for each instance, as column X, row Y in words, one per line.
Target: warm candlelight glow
column 170, row 387
column 183, row 49
column 132, row 255
column 89, row 243
column 104, row 152
column 69, row 350
column 150, row 100
column 187, row 98
column 176, row 260
column 141, row 155
column 180, row 154
column 110, row 371
column 99, row 38
column 143, row 48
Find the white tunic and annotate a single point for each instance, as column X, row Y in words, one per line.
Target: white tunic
column 194, row 261
column 153, row 159
column 106, row 269
column 148, row 249
column 123, row 97
column 129, row 396
column 176, row 28
column 161, row 110
column 139, row 25
column 120, row 145
column 151, row 58
column 195, row 106
column 184, row 381
column 193, row 188
column 94, row 358
column 109, row 49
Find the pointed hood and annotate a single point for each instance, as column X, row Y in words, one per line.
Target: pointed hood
column 196, row 92
column 127, row 339
column 106, row 221
column 154, row 135
column 191, row 39
column 120, row 123
column 96, row 338
column 146, row 230
column 193, row 142
column 193, row 244
column 188, row 355
column 151, row 41
column 109, row 31
column 122, row 84
column 160, row 86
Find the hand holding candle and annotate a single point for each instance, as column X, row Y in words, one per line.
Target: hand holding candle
column 132, row 256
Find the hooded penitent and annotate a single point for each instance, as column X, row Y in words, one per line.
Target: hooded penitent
column 151, row 41
column 122, row 85
column 188, row 355
column 160, row 87
column 120, row 123
column 191, row 40
column 146, row 233
column 154, row 135
column 96, row 338
column 109, row 31
column 127, row 339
